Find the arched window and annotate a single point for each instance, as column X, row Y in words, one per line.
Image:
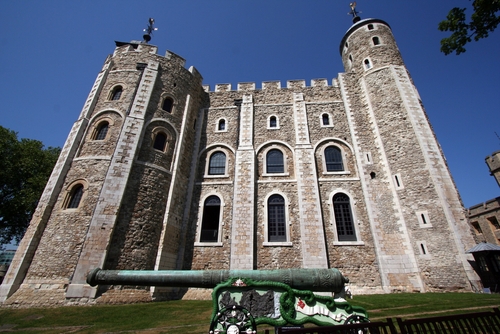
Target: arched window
column 217, row 164
column 102, row 131
column 325, row 119
column 343, row 218
column 222, row 125
column 276, row 219
column 160, row 141
column 167, row 105
column 376, row 40
column 75, row 197
column 370, row 27
column 211, row 218
column 116, row 94
column 274, row 162
column 333, row 159
column 273, row 122
column 367, row 64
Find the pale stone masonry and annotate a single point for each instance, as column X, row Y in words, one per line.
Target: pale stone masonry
column 344, row 173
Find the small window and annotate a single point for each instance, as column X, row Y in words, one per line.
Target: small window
column 222, row 125
column 343, row 218
column 273, row 122
column 367, row 64
column 211, row 220
column 102, row 131
column 325, row 119
column 276, row 219
column 494, row 222
column 217, row 164
column 160, row 141
column 350, row 58
column 167, row 105
column 333, row 159
column 370, row 27
column 116, row 94
column 274, row 161
column 346, row 44
column 398, row 181
column 477, row 228
column 376, row 41
column 75, row 197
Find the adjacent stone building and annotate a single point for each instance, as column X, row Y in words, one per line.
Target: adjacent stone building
column 161, row 172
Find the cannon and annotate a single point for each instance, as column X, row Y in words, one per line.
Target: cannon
column 244, row 299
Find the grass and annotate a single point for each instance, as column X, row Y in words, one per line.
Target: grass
column 178, row 317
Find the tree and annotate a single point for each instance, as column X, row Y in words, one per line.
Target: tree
column 25, row 167
column 484, row 20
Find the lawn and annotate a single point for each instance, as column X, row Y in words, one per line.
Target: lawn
column 194, row 316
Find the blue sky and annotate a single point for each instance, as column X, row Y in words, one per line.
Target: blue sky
column 51, row 52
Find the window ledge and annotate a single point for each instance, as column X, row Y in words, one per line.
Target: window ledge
column 277, row 244
column 348, row 243
column 215, row 176
column 208, row 244
column 344, row 172
column 276, row 174
column 425, row 225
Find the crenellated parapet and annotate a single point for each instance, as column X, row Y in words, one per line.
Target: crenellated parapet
column 271, row 85
column 493, row 163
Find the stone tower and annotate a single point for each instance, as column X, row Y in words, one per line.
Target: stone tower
column 160, row 172
column 112, row 200
column 416, row 215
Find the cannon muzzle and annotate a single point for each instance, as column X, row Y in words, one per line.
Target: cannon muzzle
column 321, row 280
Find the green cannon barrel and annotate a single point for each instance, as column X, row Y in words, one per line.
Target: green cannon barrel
column 324, row 280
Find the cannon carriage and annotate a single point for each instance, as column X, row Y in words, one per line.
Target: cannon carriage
column 244, row 299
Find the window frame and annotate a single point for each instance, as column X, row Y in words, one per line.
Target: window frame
column 207, row 162
column 355, row 224
column 163, row 100
column 283, row 243
column 367, row 64
column 116, row 90
column 220, row 121
column 266, row 165
column 70, row 193
column 156, row 133
column 277, row 125
column 345, row 171
column 98, row 128
column 322, row 120
column 201, row 214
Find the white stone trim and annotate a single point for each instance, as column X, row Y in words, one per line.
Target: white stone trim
column 265, row 151
column 269, row 127
column 330, row 120
column 207, row 162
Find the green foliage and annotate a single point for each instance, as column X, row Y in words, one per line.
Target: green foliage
column 25, row 166
column 484, row 20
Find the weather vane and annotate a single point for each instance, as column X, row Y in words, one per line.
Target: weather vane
column 354, row 12
column 149, row 30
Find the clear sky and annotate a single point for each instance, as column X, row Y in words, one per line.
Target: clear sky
column 51, row 52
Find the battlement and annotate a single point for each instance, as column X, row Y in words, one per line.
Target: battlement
column 271, row 85
column 493, row 163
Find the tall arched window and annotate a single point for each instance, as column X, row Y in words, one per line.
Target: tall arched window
column 274, row 162
column 75, row 197
column 116, row 94
column 333, row 159
column 343, row 218
column 217, row 164
column 376, row 40
column 102, row 131
column 276, row 219
column 211, row 218
column 160, row 141
column 167, row 105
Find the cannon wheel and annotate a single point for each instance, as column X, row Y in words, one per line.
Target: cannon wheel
column 357, row 319
column 233, row 320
